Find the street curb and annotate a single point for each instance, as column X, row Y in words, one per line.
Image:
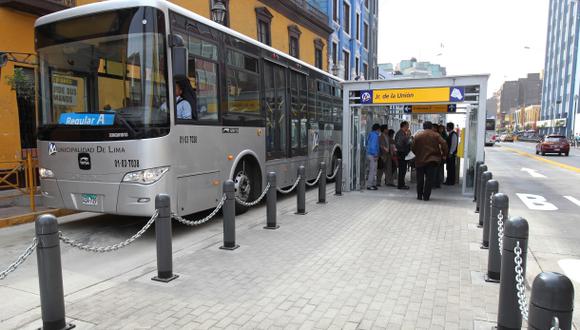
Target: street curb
column 30, row 217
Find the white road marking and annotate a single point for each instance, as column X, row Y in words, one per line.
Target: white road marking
column 533, row 173
column 571, row 268
column 536, row 202
column 573, row 200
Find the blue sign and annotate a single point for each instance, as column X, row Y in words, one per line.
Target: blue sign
column 366, row 97
column 456, row 94
column 86, row 119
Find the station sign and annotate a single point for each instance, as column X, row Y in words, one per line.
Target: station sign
column 413, row 95
column 431, row 108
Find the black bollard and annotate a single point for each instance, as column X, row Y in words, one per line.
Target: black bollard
column 163, row 234
column 499, row 211
column 271, row 199
column 301, row 195
column 338, row 179
column 50, row 274
column 491, row 188
column 485, row 176
column 482, row 168
column 509, row 316
column 229, row 213
column 477, row 177
column 552, row 296
column 322, row 184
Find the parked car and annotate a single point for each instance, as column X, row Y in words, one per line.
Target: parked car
column 555, row 144
column 506, row 138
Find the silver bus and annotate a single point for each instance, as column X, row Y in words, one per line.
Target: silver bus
column 110, row 138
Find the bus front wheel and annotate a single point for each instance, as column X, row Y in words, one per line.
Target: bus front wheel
column 247, row 183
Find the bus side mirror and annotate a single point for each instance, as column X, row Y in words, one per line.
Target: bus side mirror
column 179, row 55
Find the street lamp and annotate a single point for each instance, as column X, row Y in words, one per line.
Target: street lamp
column 335, row 69
column 218, row 12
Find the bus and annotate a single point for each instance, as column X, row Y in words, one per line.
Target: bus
column 109, row 137
column 490, row 135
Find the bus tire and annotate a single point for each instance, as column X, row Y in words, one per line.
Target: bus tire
column 247, row 182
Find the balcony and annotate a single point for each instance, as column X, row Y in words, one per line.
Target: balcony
column 38, row 7
column 311, row 9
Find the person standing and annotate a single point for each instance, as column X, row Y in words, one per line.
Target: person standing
column 403, row 144
column 384, row 150
column 452, row 143
column 373, row 153
column 393, row 158
column 429, row 147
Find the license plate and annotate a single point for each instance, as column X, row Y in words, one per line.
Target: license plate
column 89, row 199
column 557, row 149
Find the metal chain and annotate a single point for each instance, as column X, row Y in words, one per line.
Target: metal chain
column 315, row 181
column 292, row 188
column 202, row 221
column 114, row 247
column 250, row 204
column 333, row 174
column 19, row 260
column 500, row 231
column 520, row 281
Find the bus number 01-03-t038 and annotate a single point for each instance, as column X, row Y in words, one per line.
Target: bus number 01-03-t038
column 132, row 163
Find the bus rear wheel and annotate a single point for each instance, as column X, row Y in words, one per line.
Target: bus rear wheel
column 247, row 184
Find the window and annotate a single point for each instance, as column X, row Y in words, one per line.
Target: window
column 298, row 100
column 346, row 57
column 318, row 57
column 275, row 109
column 365, row 70
column 357, row 27
column 294, row 40
column 335, row 10
column 356, row 65
column 264, row 20
column 334, row 53
column 346, row 22
column 366, row 35
column 367, row 4
column 242, row 83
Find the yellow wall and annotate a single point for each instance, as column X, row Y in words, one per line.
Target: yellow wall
column 17, row 36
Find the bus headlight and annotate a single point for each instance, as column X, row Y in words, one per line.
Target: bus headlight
column 45, row 173
column 147, row 176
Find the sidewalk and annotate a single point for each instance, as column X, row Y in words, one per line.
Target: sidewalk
column 368, row 260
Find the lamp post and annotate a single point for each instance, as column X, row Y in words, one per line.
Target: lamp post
column 218, row 12
column 335, row 69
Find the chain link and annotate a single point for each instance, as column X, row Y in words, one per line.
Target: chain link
column 315, row 181
column 280, row 190
column 250, row 204
column 202, row 221
column 520, row 281
column 500, row 231
column 19, row 260
column 110, row 248
column 333, row 174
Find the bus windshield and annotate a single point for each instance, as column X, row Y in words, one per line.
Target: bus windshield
column 104, row 76
column 490, row 124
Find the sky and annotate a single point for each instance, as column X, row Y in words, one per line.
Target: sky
column 505, row 38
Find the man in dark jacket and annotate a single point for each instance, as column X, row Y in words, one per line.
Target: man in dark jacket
column 403, row 144
column 452, row 143
column 429, row 148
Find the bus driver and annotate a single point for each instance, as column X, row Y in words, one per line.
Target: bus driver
column 185, row 100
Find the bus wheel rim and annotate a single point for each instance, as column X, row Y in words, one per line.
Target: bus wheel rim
column 242, row 186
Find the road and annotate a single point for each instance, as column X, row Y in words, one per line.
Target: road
column 549, row 198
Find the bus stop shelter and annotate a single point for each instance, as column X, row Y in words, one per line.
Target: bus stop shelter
column 461, row 99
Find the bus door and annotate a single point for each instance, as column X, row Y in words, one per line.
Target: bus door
column 275, row 109
column 298, row 114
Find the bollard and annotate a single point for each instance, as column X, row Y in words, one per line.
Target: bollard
column 477, row 177
column 271, row 199
column 338, row 179
column 552, row 296
column 509, row 316
column 482, row 168
column 500, row 202
column 485, row 176
column 229, row 213
column 50, row 274
column 322, row 184
column 301, row 195
column 163, row 235
column 491, row 188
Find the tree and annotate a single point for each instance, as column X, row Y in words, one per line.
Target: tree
column 22, row 84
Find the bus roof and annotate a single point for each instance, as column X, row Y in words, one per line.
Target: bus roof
column 164, row 5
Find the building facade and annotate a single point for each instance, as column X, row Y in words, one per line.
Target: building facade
column 514, row 95
column 561, row 79
column 353, row 44
column 412, row 69
column 295, row 27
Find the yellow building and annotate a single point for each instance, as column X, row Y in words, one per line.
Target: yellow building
column 288, row 25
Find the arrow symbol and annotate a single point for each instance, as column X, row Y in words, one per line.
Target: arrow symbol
column 533, row 173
